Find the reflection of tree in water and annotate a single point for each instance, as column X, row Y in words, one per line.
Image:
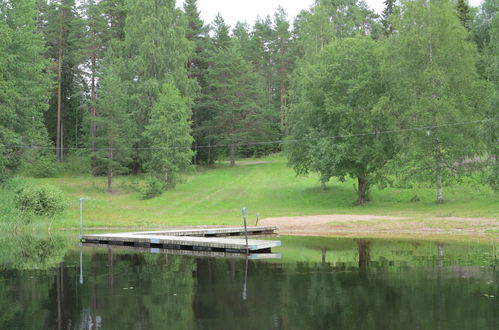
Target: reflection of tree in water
column 27, row 275
column 30, row 252
column 321, row 295
column 123, row 290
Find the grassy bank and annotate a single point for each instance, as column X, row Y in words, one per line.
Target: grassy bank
column 215, row 197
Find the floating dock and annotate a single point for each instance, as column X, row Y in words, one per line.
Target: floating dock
column 222, row 240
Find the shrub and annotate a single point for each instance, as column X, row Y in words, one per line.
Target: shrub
column 153, row 187
column 40, row 200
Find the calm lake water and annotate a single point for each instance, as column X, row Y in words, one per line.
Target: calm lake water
column 318, row 283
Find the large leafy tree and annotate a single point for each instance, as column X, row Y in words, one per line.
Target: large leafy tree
column 168, row 134
column 23, row 84
column 342, row 99
column 487, row 35
column 435, row 89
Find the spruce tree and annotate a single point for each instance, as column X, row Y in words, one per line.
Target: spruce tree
column 24, row 86
column 464, row 13
column 97, row 39
column 155, row 50
column 168, row 135
column 114, row 135
column 234, row 96
column 385, row 20
column 197, row 34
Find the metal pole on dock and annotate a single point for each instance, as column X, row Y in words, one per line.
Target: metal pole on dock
column 81, row 217
column 245, row 230
column 257, row 218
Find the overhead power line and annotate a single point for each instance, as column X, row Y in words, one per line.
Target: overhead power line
column 400, row 130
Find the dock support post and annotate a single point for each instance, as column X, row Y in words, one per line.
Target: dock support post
column 245, row 230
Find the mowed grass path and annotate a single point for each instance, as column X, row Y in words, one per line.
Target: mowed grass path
column 216, row 196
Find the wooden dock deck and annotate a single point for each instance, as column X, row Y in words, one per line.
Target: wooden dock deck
column 206, row 239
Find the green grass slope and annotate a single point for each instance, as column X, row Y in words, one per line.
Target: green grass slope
column 215, row 197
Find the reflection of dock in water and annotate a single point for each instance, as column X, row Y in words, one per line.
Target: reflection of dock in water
column 242, row 255
column 208, row 241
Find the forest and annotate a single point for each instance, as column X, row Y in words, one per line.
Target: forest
column 117, row 87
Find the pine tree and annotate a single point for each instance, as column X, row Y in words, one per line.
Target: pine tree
column 62, row 29
column 281, row 56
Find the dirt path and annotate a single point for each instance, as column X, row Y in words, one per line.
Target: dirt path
column 351, row 224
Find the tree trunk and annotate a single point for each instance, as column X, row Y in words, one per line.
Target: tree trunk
column 362, row 190
column 209, row 153
column 440, row 190
column 110, row 170
column 59, row 106
column 283, row 90
column 61, row 144
column 93, row 98
column 232, row 155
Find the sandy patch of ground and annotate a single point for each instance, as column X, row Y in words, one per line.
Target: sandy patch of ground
column 351, row 223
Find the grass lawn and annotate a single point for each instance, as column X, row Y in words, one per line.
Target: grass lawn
column 216, row 196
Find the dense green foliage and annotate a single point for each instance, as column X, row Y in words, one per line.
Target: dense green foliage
column 342, row 95
column 40, row 200
column 23, row 85
column 143, row 86
column 169, row 132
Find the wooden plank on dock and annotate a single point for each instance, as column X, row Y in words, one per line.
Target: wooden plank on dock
column 209, row 232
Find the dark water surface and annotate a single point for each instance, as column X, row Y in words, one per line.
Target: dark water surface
column 319, row 283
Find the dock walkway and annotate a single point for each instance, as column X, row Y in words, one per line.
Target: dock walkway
column 206, row 239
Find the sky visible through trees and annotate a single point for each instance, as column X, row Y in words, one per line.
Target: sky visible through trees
column 409, row 93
